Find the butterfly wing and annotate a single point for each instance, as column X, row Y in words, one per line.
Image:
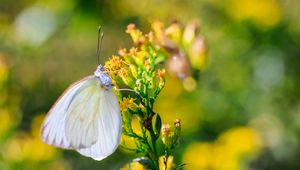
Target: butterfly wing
column 81, row 118
column 109, row 125
column 53, row 128
column 86, row 118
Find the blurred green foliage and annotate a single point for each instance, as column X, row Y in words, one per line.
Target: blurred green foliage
column 245, row 107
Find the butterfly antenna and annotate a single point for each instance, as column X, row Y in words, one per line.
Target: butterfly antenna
column 99, row 44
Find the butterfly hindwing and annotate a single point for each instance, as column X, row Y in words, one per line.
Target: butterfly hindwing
column 109, row 127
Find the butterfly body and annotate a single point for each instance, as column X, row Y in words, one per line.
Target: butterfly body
column 86, row 118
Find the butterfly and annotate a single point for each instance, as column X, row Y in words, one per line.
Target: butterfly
column 86, row 117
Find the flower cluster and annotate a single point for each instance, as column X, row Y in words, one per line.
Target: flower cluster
column 141, row 70
column 187, row 49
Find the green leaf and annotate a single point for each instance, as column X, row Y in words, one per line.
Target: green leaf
column 179, row 166
column 157, row 125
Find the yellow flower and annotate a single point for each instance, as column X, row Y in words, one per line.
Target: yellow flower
column 133, row 50
column 127, row 103
column 122, row 51
column 147, row 65
column 126, row 76
column 161, row 73
column 130, row 28
column 114, row 64
column 136, row 34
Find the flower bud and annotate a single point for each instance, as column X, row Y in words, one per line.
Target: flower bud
column 133, row 71
column 157, row 28
column 177, row 123
column 198, row 53
column 166, row 135
column 140, row 57
column 160, row 79
column 178, row 65
column 177, row 131
column 122, row 51
column 174, row 32
column 161, row 73
column 136, row 34
column 190, row 32
column 147, row 65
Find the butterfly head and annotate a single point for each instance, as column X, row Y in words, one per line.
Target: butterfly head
column 105, row 80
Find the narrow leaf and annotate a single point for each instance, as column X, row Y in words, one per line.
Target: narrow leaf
column 157, row 125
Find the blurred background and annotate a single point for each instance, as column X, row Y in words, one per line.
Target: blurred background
column 243, row 113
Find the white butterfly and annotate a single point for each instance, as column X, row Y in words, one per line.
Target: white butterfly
column 86, row 118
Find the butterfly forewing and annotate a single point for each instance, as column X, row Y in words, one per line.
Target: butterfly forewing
column 81, row 127
column 53, row 128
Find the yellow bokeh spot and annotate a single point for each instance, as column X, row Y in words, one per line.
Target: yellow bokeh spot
column 198, row 156
column 263, row 12
column 36, row 125
column 6, row 122
column 189, row 84
column 241, row 140
column 3, row 70
column 226, row 153
column 170, row 97
column 29, row 147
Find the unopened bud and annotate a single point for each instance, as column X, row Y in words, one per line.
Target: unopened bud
column 161, row 73
column 178, row 65
column 157, row 28
column 174, row 32
column 147, row 65
column 135, row 33
column 190, row 32
column 198, row 53
column 177, row 131
column 177, row 123
column 165, row 129
column 166, row 135
column 122, row 51
column 133, row 71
